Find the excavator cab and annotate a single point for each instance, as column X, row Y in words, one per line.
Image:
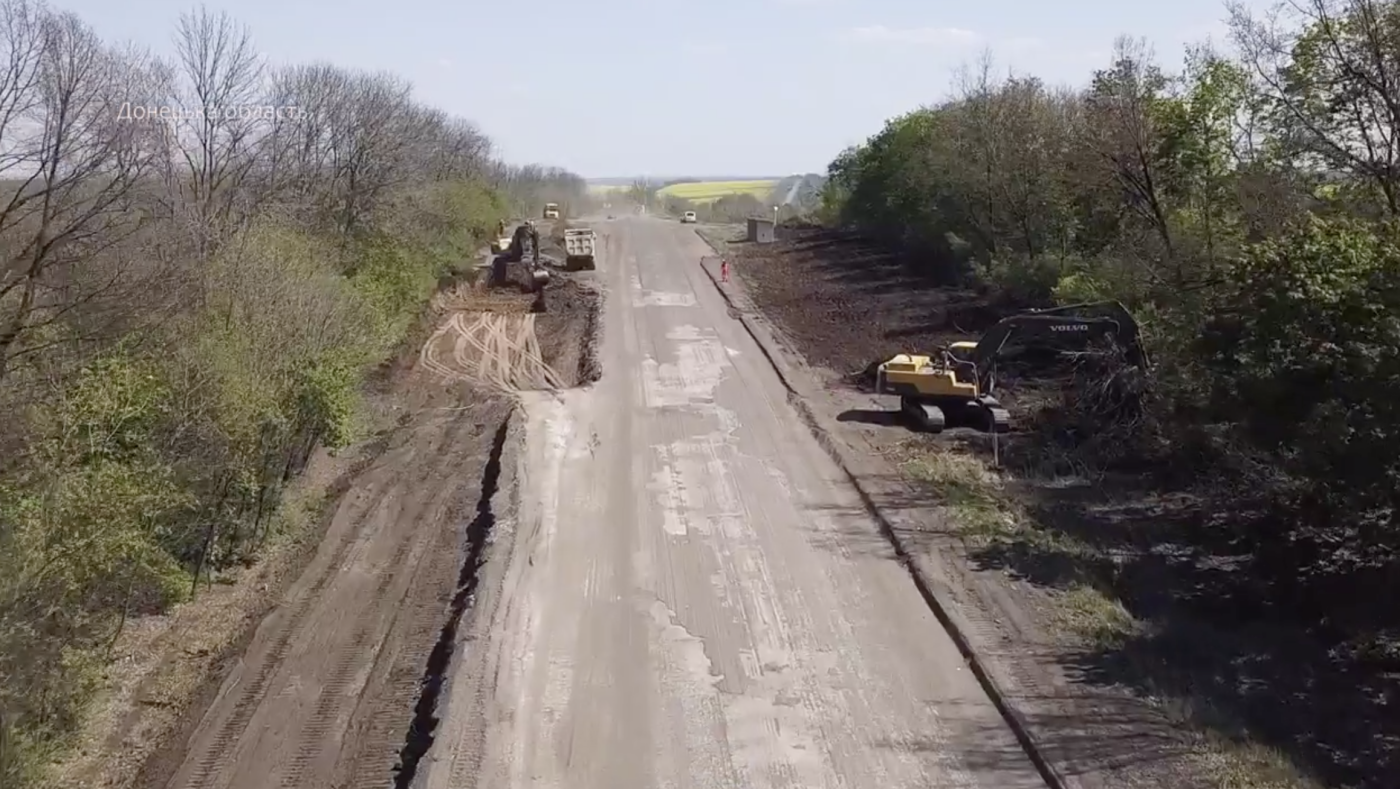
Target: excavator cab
column 934, row 388
column 503, row 238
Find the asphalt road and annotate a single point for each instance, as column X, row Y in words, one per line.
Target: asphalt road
column 689, row 594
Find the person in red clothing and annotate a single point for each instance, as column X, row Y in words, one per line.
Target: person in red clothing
column 723, row 270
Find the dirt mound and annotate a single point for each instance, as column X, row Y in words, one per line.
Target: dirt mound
column 479, row 298
column 489, row 335
column 569, row 331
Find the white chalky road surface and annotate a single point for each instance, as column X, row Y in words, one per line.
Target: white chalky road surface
column 690, row 595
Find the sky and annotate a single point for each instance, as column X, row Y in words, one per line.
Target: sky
column 613, row 88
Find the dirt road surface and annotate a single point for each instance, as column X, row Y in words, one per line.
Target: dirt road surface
column 325, row 693
column 689, row 594
column 332, row 687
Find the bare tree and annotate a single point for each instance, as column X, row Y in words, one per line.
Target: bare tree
column 372, row 129
column 1121, row 122
column 1329, row 71
column 298, row 152
column 220, row 118
column 980, row 146
column 466, row 151
column 84, row 163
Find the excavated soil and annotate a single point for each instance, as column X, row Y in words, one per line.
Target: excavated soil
column 569, row 331
column 335, row 680
column 844, row 303
column 493, row 337
column 324, row 693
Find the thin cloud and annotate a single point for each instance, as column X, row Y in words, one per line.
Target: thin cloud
column 444, row 62
column 709, row 49
column 880, row 34
column 1022, row 44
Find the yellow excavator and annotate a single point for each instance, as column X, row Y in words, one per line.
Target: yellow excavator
column 957, row 383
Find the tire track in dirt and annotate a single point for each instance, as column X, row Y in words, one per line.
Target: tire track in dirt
column 377, row 729
column 372, row 518
column 423, row 733
column 220, row 751
column 311, row 739
column 374, row 729
column 501, row 350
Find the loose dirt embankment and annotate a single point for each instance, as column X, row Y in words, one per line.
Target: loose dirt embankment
column 321, row 665
column 497, row 342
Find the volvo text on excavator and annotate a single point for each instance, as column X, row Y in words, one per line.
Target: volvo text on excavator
column 957, row 384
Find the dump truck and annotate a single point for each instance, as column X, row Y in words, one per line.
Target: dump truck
column 579, row 249
column 551, row 210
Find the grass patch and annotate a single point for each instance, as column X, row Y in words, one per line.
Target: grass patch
column 1094, row 616
column 710, row 191
column 990, row 519
column 1087, row 614
column 983, row 513
column 1239, row 763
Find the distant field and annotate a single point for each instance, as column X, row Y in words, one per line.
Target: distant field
column 710, row 191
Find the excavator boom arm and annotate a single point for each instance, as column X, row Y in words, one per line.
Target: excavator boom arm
column 1073, row 324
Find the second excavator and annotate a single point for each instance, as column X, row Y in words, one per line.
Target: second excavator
column 523, row 247
column 957, row 384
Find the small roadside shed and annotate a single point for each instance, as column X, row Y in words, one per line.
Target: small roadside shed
column 760, row 231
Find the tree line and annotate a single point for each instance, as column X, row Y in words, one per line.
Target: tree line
column 1246, row 206
column 190, row 304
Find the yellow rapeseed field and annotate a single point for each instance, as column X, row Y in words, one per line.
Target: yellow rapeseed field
column 710, row 191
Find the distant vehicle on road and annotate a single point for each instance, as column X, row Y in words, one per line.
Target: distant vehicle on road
column 688, row 217
column 551, row 210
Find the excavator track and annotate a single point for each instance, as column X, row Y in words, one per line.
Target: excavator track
column 928, row 418
column 995, row 418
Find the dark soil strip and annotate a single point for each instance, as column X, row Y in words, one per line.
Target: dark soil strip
column 590, row 369
column 422, row 730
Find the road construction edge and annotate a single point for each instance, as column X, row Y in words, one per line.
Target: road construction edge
column 932, row 585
